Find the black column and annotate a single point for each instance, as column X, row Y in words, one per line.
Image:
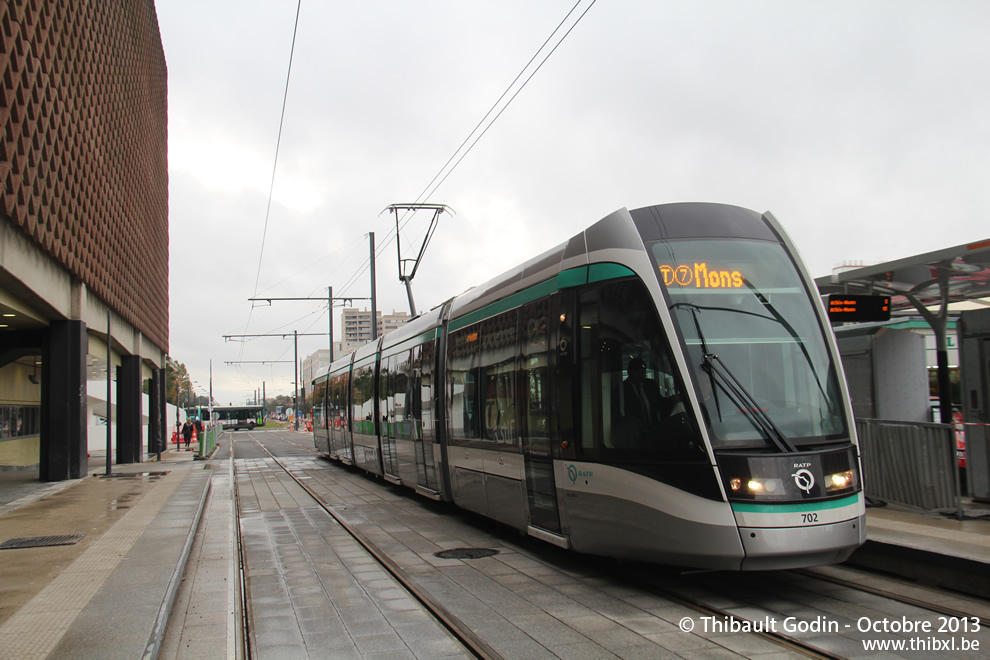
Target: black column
column 156, row 412
column 130, row 438
column 163, row 406
column 64, row 434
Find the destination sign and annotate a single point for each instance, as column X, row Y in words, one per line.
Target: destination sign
column 858, row 308
column 701, row 276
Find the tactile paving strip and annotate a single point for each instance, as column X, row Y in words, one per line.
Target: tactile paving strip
column 35, row 629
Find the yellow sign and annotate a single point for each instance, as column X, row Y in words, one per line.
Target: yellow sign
column 701, row 277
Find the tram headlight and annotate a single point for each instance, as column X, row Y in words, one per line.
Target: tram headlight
column 756, row 486
column 838, row 481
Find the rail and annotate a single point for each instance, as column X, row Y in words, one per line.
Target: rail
column 911, row 463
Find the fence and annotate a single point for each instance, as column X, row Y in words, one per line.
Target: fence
column 912, row 463
column 209, row 439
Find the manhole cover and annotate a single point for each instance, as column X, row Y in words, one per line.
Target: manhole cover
column 131, row 475
column 40, row 541
column 465, row 553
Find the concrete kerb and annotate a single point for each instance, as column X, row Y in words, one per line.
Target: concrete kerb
column 208, row 456
column 165, row 611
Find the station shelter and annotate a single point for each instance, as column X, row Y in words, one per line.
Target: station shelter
column 939, row 304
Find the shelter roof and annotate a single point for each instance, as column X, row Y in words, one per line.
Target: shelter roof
column 964, row 270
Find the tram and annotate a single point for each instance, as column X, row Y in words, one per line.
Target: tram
column 662, row 387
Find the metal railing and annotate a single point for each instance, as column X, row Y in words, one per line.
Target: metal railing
column 911, row 463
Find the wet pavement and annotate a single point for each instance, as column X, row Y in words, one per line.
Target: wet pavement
column 155, row 573
column 110, row 594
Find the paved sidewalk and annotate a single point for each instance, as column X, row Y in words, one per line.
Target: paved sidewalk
column 112, row 598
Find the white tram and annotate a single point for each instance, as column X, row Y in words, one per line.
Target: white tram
column 663, row 387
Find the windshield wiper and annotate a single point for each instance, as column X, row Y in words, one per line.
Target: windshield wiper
column 713, row 365
column 777, row 316
column 734, row 387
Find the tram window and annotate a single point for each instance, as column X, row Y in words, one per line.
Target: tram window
column 423, row 389
column 633, row 403
column 319, row 405
column 534, row 373
column 399, row 395
column 340, row 399
column 386, row 403
column 465, row 372
column 363, row 400
column 498, row 360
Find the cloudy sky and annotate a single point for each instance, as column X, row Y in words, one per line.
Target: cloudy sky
column 863, row 126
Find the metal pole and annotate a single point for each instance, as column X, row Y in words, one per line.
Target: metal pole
column 177, row 429
column 210, row 402
column 109, row 393
column 295, row 391
column 330, row 308
column 374, row 295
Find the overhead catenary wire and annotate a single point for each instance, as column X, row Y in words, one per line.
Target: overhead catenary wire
column 465, row 147
column 278, row 143
column 424, row 195
column 445, row 171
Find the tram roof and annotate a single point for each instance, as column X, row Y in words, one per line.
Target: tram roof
column 964, row 269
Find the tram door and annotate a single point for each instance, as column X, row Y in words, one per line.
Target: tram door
column 538, row 403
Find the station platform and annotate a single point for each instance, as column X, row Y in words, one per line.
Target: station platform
column 930, row 547
column 157, row 544
column 122, row 544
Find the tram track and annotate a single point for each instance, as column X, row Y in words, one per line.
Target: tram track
column 892, row 595
column 778, row 588
column 753, row 626
column 736, row 601
column 478, row 646
column 245, row 627
column 471, row 641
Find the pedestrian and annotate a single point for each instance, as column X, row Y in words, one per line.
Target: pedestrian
column 187, row 430
column 198, row 423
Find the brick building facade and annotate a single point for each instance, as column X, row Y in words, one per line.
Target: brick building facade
column 83, row 217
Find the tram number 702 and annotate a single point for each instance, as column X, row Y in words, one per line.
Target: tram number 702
column 809, row 518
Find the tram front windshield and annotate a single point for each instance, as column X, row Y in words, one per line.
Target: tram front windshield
column 755, row 347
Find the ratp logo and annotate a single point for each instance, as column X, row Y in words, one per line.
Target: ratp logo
column 574, row 474
column 804, row 480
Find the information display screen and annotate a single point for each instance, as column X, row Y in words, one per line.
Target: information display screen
column 859, row 308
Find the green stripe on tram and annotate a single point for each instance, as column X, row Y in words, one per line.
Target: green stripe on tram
column 573, row 277
column 566, row 279
column 742, row 507
column 602, row 272
column 412, row 342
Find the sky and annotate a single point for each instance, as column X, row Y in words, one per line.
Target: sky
column 862, row 126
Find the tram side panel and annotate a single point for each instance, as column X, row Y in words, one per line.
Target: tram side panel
column 634, row 478
column 339, row 422
column 365, row 415
column 406, row 395
column 321, row 430
column 484, row 383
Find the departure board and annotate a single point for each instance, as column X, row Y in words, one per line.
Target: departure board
column 858, row 308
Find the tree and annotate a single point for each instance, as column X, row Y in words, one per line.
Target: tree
column 178, row 384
